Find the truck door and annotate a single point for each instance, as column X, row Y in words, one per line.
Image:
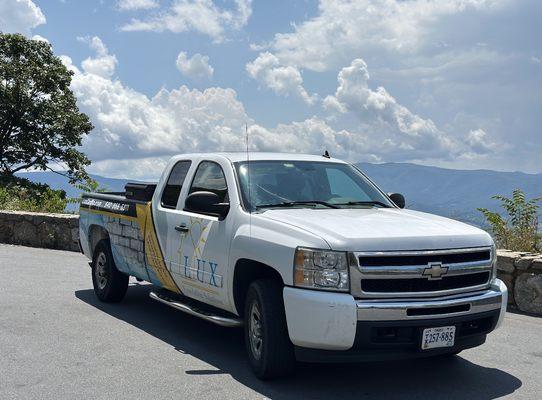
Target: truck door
column 166, row 216
column 199, row 263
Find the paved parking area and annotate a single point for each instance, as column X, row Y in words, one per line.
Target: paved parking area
column 58, row 342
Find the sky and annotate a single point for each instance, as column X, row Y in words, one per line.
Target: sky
column 454, row 83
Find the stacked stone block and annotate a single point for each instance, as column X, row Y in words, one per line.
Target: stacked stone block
column 522, row 274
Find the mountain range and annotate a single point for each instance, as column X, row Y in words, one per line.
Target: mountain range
column 447, row 192
column 451, row 192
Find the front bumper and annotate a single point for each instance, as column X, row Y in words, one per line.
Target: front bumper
column 336, row 327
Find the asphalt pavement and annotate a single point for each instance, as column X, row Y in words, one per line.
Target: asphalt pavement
column 57, row 341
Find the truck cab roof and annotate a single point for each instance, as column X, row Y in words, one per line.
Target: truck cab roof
column 259, row 156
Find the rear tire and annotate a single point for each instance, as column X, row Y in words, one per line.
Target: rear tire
column 270, row 351
column 109, row 283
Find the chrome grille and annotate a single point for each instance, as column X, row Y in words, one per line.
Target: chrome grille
column 420, row 273
column 421, row 259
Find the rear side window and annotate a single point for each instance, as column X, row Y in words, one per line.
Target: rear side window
column 174, row 184
column 210, row 178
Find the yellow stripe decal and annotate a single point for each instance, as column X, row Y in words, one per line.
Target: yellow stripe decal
column 153, row 252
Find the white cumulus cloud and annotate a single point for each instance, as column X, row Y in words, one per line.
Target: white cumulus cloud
column 20, row 16
column 393, row 131
column 196, row 67
column 282, row 79
column 132, row 129
column 131, row 5
column 103, row 64
column 135, row 134
column 344, row 28
column 313, row 135
column 448, row 61
column 479, row 142
column 202, row 16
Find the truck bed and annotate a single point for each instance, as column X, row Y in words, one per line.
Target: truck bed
column 129, row 226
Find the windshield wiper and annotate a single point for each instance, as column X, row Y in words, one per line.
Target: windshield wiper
column 295, row 203
column 364, row 203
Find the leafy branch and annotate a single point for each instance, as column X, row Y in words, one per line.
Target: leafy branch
column 519, row 229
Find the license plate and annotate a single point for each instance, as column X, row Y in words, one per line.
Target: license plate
column 443, row 336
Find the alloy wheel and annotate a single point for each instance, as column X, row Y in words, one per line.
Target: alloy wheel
column 101, row 271
column 255, row 330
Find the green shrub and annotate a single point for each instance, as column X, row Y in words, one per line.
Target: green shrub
column 519, row 231
column 19, row 194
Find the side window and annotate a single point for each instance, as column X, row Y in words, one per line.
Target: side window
column 210, row 178
column 174, row 184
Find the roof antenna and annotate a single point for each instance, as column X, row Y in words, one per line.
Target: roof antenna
column 326, row 154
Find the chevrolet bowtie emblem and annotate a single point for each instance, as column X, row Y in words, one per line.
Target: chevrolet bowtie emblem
column 435, row 270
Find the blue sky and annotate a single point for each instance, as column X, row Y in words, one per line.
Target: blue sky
column 454, row 83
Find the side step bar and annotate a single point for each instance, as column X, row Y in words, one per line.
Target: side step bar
column 190, row 308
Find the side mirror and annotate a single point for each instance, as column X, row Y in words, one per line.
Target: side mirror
column 207, row 203
column 398, row 199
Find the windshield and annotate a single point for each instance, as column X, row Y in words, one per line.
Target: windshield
column 306, row 184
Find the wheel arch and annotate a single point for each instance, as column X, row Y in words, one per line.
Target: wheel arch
column 247, row 271
column 96, row 233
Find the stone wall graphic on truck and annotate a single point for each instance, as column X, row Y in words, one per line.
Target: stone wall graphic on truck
column 126, row 224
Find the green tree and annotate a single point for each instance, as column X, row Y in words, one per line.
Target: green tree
column 519, row 230
column 40, row 123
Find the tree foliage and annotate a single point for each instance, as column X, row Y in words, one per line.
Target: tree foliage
column 19, row 194
column 519, row 230
column 40, row 123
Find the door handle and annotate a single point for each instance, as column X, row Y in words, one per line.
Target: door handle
column 182, row 228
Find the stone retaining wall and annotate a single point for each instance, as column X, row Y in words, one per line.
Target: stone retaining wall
column 51, row 231
column 522, row 274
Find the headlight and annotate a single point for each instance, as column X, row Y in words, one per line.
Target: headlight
column 321, row 269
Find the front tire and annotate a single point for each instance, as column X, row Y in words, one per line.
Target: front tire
column 270, row 351
column 109, row 283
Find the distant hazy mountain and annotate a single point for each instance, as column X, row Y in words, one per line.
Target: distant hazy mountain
column 448, row 192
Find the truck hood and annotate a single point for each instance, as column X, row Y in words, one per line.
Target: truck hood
column 382, row 229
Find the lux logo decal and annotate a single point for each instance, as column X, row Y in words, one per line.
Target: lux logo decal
column 194, row 264
column 201, row 274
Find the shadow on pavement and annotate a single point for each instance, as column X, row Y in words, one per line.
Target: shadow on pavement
column 223, row 348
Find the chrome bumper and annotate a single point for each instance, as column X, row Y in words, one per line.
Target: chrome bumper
column 450, row 306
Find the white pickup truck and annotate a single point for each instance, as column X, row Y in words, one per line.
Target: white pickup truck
column 309, row 256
